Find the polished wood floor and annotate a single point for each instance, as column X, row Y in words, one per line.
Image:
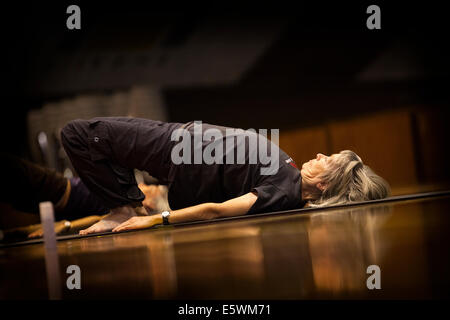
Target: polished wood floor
column 319, row 255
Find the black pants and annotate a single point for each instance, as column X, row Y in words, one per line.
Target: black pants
column 105, row 152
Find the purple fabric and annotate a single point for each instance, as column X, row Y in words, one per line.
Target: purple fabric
column 83, row 202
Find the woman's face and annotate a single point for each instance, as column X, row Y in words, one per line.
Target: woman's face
column 315, row 167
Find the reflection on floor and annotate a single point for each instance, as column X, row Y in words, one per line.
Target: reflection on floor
column 318, row 255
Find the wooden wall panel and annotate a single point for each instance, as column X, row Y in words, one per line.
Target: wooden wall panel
column 432, row 129
column 384, row 142
column 303, row 144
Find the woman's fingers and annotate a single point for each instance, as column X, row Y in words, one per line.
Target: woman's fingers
column 122, row 226
column 133, row 223
column 37, row 233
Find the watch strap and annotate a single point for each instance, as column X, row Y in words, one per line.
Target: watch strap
column 166, row 218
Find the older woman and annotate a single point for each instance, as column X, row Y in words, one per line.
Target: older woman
column 217, row 172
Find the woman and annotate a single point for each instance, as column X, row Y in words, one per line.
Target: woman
column 104, row 151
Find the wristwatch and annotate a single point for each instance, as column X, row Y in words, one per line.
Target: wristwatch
column 165, row 216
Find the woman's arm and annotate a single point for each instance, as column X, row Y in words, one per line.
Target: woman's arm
column 205, row 211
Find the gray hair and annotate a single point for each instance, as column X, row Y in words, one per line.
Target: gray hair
column 349, row 180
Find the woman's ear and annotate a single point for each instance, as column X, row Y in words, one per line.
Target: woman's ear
column 321, row 186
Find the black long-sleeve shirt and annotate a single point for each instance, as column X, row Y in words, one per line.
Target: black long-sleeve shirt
column 128, row 143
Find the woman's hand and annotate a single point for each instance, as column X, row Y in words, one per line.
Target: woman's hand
column 60, row 227
column 140, row 222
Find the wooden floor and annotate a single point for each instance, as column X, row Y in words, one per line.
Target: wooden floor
column 319, row 255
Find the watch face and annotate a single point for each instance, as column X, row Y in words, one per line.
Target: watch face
column 165, row 214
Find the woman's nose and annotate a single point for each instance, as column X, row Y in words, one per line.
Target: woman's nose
column 319, row 155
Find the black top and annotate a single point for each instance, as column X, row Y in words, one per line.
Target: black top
column 147, row 145
column 191, row 184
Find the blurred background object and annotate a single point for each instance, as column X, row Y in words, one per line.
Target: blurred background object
column 44, row 124
column 316, row 73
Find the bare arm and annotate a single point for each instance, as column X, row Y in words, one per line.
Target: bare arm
column 205, row 211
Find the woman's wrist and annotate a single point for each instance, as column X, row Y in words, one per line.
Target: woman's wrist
column 157, row 219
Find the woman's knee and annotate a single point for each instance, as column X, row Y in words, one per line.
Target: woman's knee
column 74, row 131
